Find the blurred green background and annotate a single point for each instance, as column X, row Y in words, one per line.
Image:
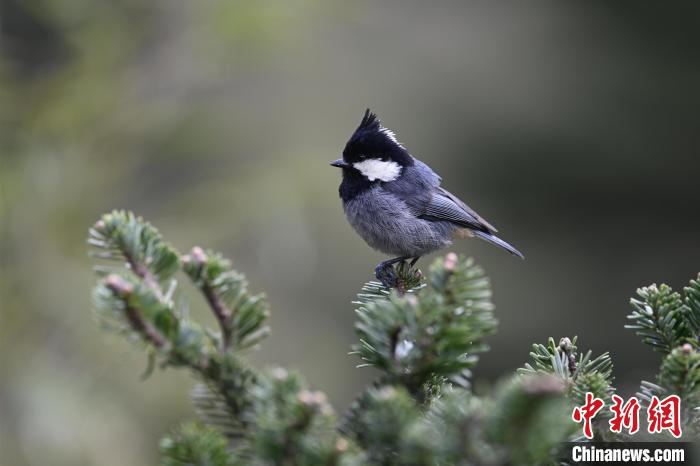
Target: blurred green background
column 572, row 126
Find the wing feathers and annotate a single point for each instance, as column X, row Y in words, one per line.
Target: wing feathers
column 444, row 205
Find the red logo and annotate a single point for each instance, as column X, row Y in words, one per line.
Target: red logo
column 587, row 412
column 665, row 415
column 626, row 415
column 661, row 415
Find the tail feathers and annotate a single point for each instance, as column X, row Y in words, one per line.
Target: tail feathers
column 493, row 239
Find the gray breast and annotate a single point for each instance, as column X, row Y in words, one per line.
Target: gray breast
column 386, row 223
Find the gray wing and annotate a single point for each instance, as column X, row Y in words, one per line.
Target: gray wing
column 419, row 188
column 444, row 205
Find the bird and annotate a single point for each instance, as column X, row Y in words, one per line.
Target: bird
column 396, row 204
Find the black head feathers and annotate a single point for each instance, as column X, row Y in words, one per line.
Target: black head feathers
column 370, row 122
column 372, row 140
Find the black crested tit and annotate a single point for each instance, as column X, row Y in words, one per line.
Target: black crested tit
column 395, row 202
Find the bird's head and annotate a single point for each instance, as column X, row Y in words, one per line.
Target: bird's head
column 373, row 152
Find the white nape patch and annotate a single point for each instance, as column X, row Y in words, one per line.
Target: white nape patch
column 375, row 169
column 390, row 134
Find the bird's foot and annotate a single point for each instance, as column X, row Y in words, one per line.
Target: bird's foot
column 401, row 277
column 386, row 274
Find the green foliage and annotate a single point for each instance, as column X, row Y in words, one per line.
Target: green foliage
column 692, row 315
column 530, row 419
column 271, row 418
column 293, row 425
column 122, row 236
column 427, row 334
column 523, row 424
column 424, row 337
column 670, row 323
column 194, row 443
column 379, row 420
column 213, row 410
column 453, row 430
column 230, row 381
column 663, row 318
column 240, row 314
column 579, row 371
column 680, row 374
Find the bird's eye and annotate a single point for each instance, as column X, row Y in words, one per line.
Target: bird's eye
column 362, row 156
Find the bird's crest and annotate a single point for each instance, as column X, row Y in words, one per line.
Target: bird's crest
column 370, row 121
column 371, row 124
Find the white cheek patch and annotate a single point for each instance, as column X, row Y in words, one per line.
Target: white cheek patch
column 375, row 169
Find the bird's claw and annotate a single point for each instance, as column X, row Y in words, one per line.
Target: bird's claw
column 386, row 274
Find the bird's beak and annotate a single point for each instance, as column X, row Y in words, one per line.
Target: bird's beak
column 340, row 163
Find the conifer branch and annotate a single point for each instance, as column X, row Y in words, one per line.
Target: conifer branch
column 692, row 301
column 198, row 259
column 579, row 372
column 124, row 290
column 196, row 444
column 121, row 235
column 240, row 315
column 429, row 334
column 538, row 402
column 424, row 338
column 660, row 318
column 142, row 271
column 680, row 374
